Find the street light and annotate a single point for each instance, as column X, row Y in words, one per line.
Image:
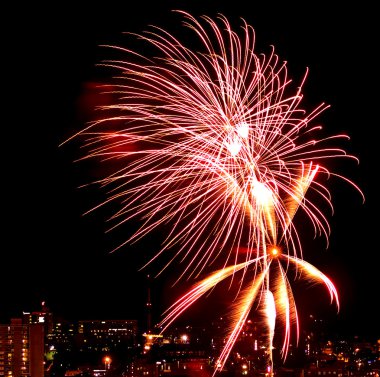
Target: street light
column 107, row 362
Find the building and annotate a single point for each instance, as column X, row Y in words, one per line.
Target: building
column 22, row 349
column 44, row 316
column 106, row 335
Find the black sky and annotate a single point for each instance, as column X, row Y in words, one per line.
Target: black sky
column 51, row 252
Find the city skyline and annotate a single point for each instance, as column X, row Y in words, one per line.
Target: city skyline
column 90, row 347
column 63, row 257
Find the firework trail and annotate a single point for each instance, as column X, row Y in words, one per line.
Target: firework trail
column 215, row 143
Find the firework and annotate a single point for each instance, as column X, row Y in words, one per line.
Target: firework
column 214, row 142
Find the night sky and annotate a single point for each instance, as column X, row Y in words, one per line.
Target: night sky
column 52, row 252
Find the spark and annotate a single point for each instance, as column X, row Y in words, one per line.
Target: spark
column 278, row 302
column 214, row 142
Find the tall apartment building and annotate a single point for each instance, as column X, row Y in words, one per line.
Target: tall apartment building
column 21, row 349
column 41, row 316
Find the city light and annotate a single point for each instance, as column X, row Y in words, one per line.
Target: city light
column 107, row 362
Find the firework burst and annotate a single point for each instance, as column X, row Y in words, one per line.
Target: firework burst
column 215, row 143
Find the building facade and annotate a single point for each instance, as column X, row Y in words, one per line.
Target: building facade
column 22, row 349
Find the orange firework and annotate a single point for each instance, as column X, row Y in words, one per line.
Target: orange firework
column 215, row 142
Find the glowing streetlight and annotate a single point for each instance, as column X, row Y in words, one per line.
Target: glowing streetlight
column 107, row 362
column 184, row 338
